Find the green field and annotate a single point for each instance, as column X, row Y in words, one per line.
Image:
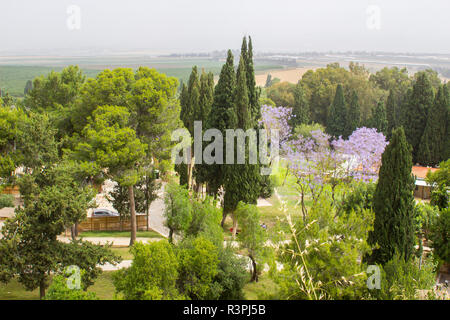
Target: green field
column 15, row 73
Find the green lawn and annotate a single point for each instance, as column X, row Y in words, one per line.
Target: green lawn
column 120, row 234
column 123, row 252
column 264, row 289
column 103, row 287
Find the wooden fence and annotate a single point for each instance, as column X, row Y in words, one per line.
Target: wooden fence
column 112, row 224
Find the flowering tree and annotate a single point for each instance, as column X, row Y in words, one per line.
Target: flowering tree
column 317, row 161
column 363, row 148
column 277, row 118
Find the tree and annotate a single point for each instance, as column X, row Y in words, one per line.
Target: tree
column 419, row 102
column 36, row 143
column 320, row 87
column 178, row 210
column 145, row 192
column 268, row 81
column 300, row 109
column 199, row 260
column 29, row 248
column 394, row 203
column 222, row 116
column 242, row 181
column 338, row 111
column 353, row 115
column 152, row 274
column 254, row 92
column 440, row 183
column 440, row 236
column 28, row 87
column 433, row 139
column 321, row 260
column 59, row 290
column 252, row 237
column 378, row 119
column 111, row 147
column 282, row 94
column 9, row 129
column 392, row 113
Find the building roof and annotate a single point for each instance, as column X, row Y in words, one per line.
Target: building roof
column 421, row 172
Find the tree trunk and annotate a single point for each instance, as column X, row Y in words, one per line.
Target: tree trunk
column 133, row 215
column 170, row 235
column 235, row 226
column 72, row 232
column 254, row 272
column 42, row 289
column 224, row 217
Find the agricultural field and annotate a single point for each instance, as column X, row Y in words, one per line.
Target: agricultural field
column 15, row 72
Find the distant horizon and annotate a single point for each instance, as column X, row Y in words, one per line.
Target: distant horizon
column 176, row 26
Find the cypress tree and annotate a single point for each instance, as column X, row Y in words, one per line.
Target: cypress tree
column 201, row 171
column 379, row 119
column 222, row 117
column 419, row 102
column 300, row 110
column 393, row 202
column 242, row 181
column 446, row 149
column 431, row 147
column 28, row 87
column 253, row 91
column 337, row 116
column 353, row 115
column 391, row 113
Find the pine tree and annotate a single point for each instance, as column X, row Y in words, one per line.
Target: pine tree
column 433, row 139
column 394, row 202
column 241, row 181
column 419, row 102
column 337, row 116
column 378, row 119
column 353, row 115
column 300, row 110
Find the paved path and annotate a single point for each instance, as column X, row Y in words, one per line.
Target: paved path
column 116, row 242
column 156, row 218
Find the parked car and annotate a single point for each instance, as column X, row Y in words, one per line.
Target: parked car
column 100, row 212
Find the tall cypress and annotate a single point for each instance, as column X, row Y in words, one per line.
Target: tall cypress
column 391, row 113
column 337, row 116
column 379, row 119
column 300, row 110
column 433, row 139
column 201, row 171
column 446, row 149
column 353, row 115
column 222, row 117
column 253, row 91
column 242, row 182
column 419, row 102
column 393, row 202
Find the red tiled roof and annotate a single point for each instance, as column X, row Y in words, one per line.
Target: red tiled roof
column 421, row 172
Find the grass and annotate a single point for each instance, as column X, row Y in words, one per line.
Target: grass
column 264, row 289
column 120, row 234
column 103, row 287
column 124, row 252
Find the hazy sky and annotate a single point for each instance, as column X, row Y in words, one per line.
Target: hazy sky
column 205, row 25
